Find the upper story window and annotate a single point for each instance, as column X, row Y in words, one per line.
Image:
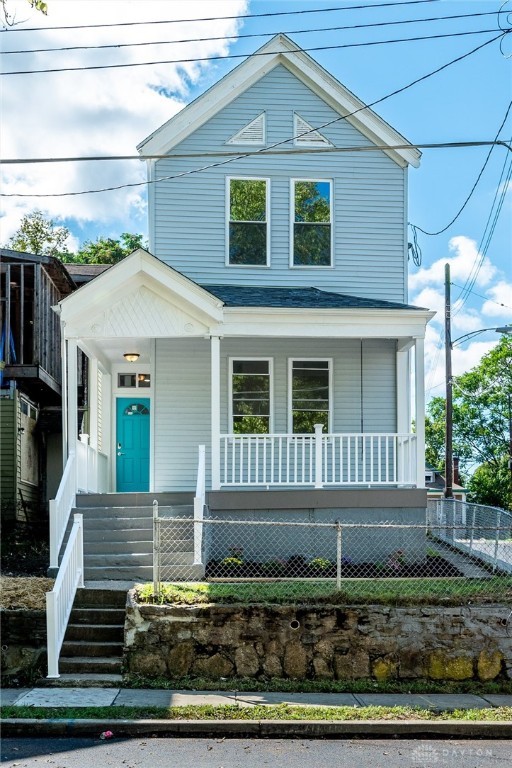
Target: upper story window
column 311, row 236
column 251, row 396
column 310, row 395
column 247, row 223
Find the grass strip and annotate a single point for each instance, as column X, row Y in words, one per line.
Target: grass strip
column 431, row 591
column 258, row 712
column 285, row 685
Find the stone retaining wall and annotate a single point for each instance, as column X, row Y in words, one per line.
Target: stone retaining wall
column 23, row 634
column 326, row 642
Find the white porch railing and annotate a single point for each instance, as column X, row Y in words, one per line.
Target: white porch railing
column 92, row 468
column 59, row 601
column 318, row 459
column 199, row 502
column 60, row 508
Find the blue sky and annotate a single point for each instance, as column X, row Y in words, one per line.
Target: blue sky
column 110, row 111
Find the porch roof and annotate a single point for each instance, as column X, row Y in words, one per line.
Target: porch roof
column 302, row 298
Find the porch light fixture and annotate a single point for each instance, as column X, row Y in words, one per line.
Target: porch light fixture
column 131, row 357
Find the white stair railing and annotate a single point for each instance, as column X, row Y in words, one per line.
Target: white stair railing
column 59, row 601
column 199, row 502
column 60, row 508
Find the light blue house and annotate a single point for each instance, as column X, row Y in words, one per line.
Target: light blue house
column 269, row 322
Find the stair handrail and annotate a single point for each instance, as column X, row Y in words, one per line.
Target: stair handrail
column 199, row 502
column 60, row 508
column 59, row 602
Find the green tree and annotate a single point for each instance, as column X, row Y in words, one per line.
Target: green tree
column 489, row 485
column 107, row 250
column 480, row 422
column 39, row 235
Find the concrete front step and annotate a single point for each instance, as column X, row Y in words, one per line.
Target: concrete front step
column 119, row 573
column 86, row 665
column 102, row 597
column 84, row 680
column 81, row 648
column 121, row 535
column 105, row 547
column 117, row 523
column 98, row 616
column 99, row 633
column 112, row 560
column 133, row 499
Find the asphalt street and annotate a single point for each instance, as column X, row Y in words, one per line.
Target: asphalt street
column 250, row 753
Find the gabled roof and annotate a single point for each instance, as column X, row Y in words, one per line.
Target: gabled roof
column 302, row 298
column 279, row 50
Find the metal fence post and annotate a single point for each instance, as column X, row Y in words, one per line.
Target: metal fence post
column 472, row 530
column 156, row 550
column 338, row 555
column 496, row 542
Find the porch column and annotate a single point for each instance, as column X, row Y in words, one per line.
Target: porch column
column 72, row 394
column 419, row 364
column 64, row 390
column 403, row 386
column 215, row 410
column 93, row 402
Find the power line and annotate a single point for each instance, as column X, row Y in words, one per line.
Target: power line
column 294, row 151
column 130, row 64
column 251, row 35
column 277, row 143
column 223, row 18
column 468, row 198
column 490, row 226
column 486, row 298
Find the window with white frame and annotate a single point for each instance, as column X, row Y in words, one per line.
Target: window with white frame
column 310, row 395
column 251, row 396
column 311, row 236
column 247, row 225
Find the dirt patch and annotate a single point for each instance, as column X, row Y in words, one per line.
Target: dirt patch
column 28, row 593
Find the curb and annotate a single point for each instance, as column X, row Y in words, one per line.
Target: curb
column 290, row 729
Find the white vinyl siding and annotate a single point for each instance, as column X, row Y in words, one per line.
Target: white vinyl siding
column 182, row 411
column 369, row 205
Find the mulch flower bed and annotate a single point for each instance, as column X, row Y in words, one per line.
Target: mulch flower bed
column 429, row 567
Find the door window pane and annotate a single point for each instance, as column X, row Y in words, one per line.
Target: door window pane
column 251, row 396
column 310, row 395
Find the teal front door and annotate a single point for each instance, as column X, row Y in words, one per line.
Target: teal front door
column 132, row 444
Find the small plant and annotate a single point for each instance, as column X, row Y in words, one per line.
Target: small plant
column 232, row 562
column 396, row 560
column 320, row 564
column 432, row 552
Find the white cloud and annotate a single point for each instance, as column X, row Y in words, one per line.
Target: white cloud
column 99, row 112
column 462, row 266
column 500, row 301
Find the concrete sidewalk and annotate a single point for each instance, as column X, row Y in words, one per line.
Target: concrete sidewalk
column 132, row 697
column 250, row 728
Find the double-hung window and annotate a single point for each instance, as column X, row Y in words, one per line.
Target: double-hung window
column 251, row 396
column 311, row 230
column 247, row 222
column 310, row 395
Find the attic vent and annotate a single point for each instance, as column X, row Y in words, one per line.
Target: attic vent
column 305, row 135
column 253, row 133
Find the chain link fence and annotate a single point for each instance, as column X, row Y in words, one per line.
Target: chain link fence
column 451, row 543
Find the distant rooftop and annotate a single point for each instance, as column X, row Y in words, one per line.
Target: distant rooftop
column 84, row 273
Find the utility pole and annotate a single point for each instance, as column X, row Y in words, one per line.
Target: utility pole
column 448, row 459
